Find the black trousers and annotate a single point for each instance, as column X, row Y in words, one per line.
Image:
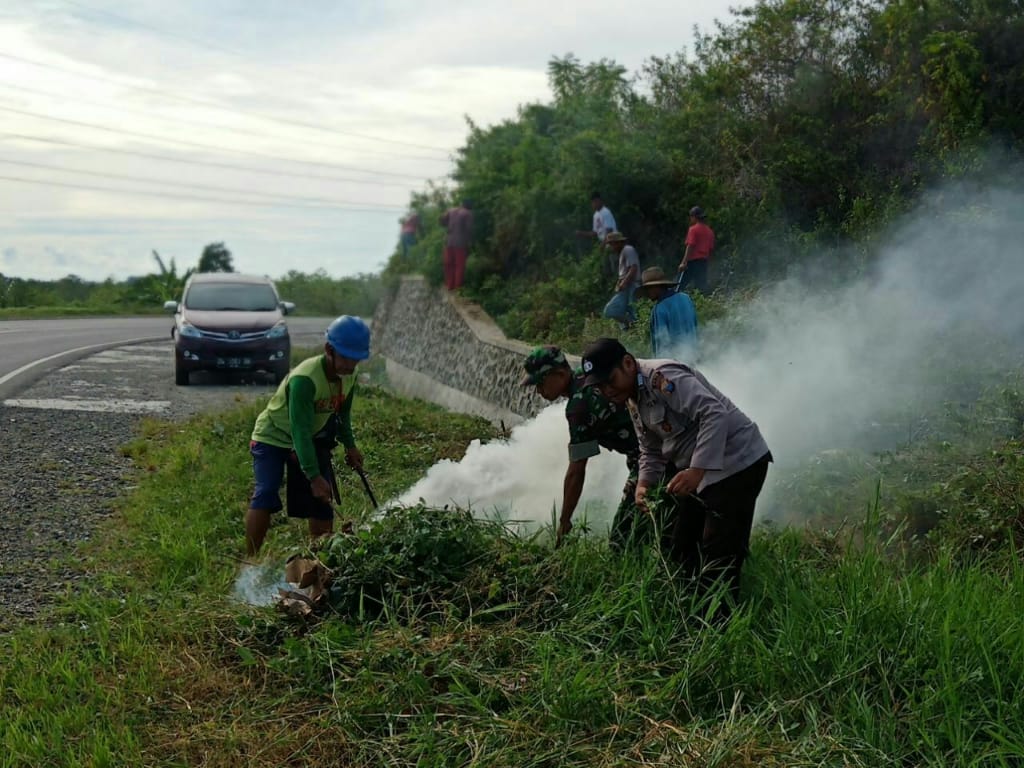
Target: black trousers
column 299, row 499
column 710, row 532
column 695, row 274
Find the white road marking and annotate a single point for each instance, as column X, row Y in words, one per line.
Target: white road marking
column 96, row 406
column 40, row 361
column 120, row 356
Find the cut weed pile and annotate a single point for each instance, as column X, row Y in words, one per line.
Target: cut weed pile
column 455, row 642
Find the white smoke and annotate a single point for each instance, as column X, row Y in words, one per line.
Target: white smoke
column 259, row 584
column 845, row 368
column 521, row 478
column 816, row 368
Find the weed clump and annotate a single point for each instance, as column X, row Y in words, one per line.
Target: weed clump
column 420, row 559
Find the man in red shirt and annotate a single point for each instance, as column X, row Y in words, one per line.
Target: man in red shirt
column 700, row 241
column 459, row 223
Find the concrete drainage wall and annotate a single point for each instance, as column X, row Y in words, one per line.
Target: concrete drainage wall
column 446, row 350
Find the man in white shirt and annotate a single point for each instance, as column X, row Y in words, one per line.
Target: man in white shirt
column 603, row 225
column 604, row 222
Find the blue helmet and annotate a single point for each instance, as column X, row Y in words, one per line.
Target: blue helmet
column 350, row 337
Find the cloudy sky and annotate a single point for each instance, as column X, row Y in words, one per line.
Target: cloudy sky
column 292, row 130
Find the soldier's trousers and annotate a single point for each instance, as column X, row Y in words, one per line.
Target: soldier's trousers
column 710, row 534
column 629, row 525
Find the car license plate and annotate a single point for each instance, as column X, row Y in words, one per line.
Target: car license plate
column 234, row 362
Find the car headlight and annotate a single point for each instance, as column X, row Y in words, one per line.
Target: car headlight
column 189, row 330
column 278, row 331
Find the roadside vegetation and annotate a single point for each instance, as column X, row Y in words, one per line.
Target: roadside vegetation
column 313, row 293
column 803, row 129
column 870, row 640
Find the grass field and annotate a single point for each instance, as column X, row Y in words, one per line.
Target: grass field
column 473, row 646
column 38, row 313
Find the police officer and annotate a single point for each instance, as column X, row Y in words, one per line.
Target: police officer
column 594, row 422
column 681, row 418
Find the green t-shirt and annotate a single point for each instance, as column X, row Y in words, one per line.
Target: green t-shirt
column 302, row 406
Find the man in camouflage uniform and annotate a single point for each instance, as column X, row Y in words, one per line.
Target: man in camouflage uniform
column 682, row 419
column 594, row 423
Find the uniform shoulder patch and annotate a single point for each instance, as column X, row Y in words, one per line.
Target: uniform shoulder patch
column 660, row 383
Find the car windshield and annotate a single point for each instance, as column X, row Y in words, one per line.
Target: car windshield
column 245, row 297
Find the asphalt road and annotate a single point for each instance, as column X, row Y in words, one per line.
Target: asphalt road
column 31, row 348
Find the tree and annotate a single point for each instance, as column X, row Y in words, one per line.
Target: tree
column 166, row 286
column 216, row 258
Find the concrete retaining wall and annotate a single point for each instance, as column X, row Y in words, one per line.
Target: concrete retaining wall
column 444, row 349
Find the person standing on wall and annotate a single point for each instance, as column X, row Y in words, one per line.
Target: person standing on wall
column 458, row 221
column 700, row 242
column 412, row 228
column 603, row 225
column 673, row 318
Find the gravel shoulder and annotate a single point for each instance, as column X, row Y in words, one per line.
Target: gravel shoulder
column 61, row 468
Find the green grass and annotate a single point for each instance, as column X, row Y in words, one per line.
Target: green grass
column 36, row 313
column 473, row 646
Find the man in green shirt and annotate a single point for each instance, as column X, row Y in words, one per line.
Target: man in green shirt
column 315, row 391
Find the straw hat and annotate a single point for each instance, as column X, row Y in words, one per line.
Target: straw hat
column 653, row 277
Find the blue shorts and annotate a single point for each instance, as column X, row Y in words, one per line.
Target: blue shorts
column 268, row 467
column 268, row 462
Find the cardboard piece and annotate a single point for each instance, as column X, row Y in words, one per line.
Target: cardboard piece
column 311, row 578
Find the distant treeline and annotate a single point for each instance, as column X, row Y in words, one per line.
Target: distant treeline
column 314, row 294
column 801, row 126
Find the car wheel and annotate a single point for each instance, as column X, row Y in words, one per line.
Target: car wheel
column 180, row 374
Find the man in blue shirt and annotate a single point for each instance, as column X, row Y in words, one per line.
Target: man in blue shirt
column 673, row 318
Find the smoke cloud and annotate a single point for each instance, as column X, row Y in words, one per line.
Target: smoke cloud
column 854, row 367
column 520, row 478
column 818, row 368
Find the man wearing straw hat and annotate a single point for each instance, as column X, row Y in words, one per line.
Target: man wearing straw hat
column 673, row 318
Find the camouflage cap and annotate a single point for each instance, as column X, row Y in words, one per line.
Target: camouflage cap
column 541, row 362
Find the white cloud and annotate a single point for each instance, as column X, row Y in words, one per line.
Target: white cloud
column 403, row 71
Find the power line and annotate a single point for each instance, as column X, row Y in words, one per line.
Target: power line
column 215, row 105
column 208, row 163
column 200, row 145
column 198, row 198
column 210, row 124
column 208, row 45
column 319, row 201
